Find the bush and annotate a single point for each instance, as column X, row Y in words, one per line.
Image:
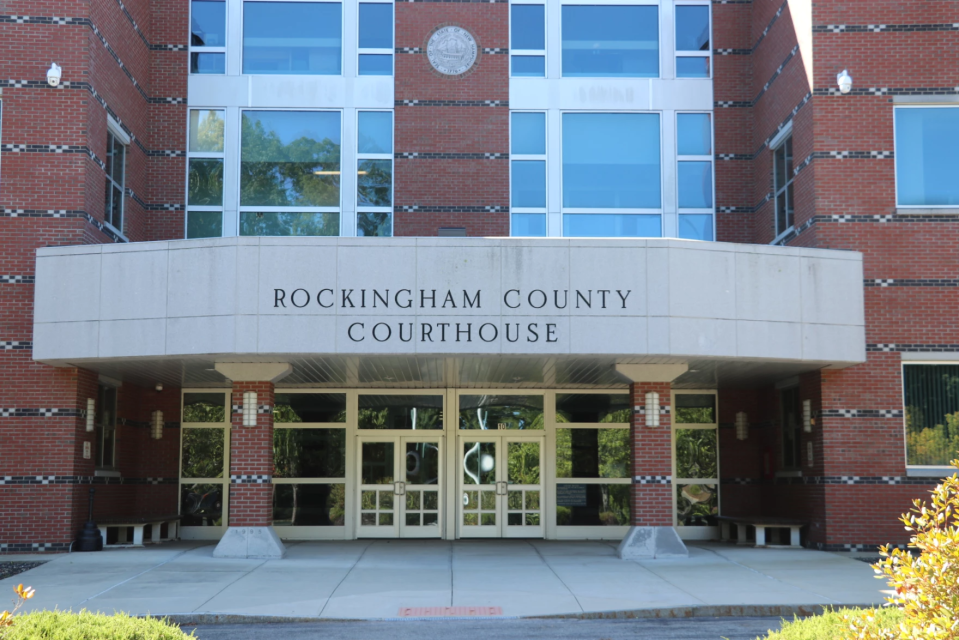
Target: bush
column 65, row 625
column 927, row 583
column 834, row 624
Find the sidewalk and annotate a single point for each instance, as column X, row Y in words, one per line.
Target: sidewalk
column 379, row 579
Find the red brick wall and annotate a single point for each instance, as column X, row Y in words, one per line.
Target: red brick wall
column 449, row 191
column 652, row 501
column 251, row 454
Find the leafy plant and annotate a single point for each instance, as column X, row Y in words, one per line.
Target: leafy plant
column 66, row 625
column 927, row 583
column 6, row 617
column 832, row 624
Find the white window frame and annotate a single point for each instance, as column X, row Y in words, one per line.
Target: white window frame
column 686, row 532
column 207, row 533
column 343, row 42
column 358, row 208
column 115, row 131
column 100, row 462
column 695, row 54
column 702, row 158
column 895, row 134
column 361, row 51
column 529, row 52
column 777, row 143
column 240, row 208
column 645, row 3
column 207, row 49
column 661, row 211
column 204, row 155
column 523, row 156
column 917, row 470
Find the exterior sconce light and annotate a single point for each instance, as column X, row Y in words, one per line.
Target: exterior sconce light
column 844, row 80
column 91, row 413
column 249, row 409
column 156, row 426
column 807, row 421
column 652, row 409
column 742, row 426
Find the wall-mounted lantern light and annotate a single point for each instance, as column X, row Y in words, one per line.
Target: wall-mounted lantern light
column 652, row 409
column 249, row 409
column 156, row 425
column 742, row 426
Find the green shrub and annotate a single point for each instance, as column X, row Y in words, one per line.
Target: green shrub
column 834, row 624
column 65, row 625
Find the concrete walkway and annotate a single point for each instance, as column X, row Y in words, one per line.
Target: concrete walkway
column 380, row 579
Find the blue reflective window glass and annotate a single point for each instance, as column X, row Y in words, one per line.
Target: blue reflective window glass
column 693, row 134
column 695, row 185
column 376, row 25
column 692, row 67
column 290, row 159
column 692, row 28
column 529, row 225
column 927, row 154
column 208, row 23
column 292, row 38
column 272, row 223
column 528, row 26
column 204, row 224
column 611, row 160
column 207, row 62
column 696, row 226
column 527, row 133
column 375, row 132
column 528, row 182
column 602, row 41
column 376, row 65
column 528, row 66
column 611, row 225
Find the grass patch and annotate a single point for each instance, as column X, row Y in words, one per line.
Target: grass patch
column 64, row 625
column 831, row 624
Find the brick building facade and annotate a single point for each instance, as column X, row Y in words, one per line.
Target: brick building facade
column 772, row 80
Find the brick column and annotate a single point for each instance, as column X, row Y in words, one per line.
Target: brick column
column 652, row 504
column 651, row 534
column 251, row 534
column 251, row 459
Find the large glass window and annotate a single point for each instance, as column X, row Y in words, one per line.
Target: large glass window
column 376, row 39
column 610, row 41
column 204, row 459
column 612, row 184
column 696, row 455
column 207, row 36
column 790, row 424
column 527, row 29
column 692, row 41
column 303, row 38
column 404, row 412
column 115, row 190
column 528, row 172
column 927, row 154
column 694, row 175
column 290, row 173
column 374, row 179
column 932, row 413
column 783, row 185
column 105, row 430
column 496, row 412
column 204, row 217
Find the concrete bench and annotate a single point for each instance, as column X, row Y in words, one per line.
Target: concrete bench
column 760, row 523
column 138, row 523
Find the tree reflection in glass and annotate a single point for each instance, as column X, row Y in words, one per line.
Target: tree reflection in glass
column 203, row 453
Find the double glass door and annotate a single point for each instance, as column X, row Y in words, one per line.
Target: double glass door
column 500, row 486
column 400, row 487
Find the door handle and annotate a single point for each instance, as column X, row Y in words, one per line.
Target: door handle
column 501, row 488
column 399, row 488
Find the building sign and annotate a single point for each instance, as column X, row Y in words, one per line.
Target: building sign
column 466, row 302
column 451, row 50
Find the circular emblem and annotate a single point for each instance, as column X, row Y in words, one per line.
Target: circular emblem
column 451, row 50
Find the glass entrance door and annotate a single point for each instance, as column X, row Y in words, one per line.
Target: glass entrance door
column 500, row 487
column 400, row 488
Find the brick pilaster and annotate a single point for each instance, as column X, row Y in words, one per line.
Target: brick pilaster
column 652, row 502
column 251, row 459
